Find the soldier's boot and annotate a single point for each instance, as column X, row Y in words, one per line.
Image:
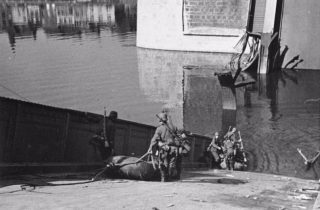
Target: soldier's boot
column 163, row 174
column 228, row 162
column 178, row 174
column 218, row 165
column 231, row 165
column 211, row 164
column 171, row 172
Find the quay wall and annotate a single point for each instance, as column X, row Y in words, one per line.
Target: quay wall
column 38, row 136
column 191, row 25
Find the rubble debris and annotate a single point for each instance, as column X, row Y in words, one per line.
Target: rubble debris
column 302, row 197
column 199, row 200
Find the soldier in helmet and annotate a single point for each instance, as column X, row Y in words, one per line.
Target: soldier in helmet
column 231, row 134
column 215, row 149
column 183, row 148
column 229, row 148
column 103, row 140
column 162, row 142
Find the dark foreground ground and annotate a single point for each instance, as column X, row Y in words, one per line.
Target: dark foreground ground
column 198, row 189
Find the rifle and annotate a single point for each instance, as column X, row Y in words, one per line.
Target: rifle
column 227, row 134
column 183, row 143
column 167, row 126
column 106, row 143
column 244, row 154
column 173, row 133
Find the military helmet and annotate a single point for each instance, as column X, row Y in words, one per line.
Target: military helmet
column 162, row 117
column 113, row 115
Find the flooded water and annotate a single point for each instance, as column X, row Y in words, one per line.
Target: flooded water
column 278, row 116
column 83, row 56
column 73, row 55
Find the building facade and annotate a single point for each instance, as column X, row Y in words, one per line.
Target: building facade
column 191, row 25
column 218, row 25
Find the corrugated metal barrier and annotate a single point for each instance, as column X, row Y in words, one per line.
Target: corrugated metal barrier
column 39, row 136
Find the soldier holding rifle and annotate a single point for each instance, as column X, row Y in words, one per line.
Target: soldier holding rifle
column 104, row 138
column 159, row 145
column 234, row 150
column 229, row 148
column 215, row 149
column 168, row 146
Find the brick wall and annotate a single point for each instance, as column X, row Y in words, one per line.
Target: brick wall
column 206, row 14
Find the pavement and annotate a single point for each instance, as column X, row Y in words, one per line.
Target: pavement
column 197, row 189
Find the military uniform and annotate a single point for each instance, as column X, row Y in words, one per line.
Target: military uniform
column 163, row 142
column 183, row 148
column 214, row 148
column 104, row 142
column 229, row 148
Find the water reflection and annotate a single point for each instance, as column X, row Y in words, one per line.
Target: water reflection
column 279, row 120
column 71, row 54
column 22, row 20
